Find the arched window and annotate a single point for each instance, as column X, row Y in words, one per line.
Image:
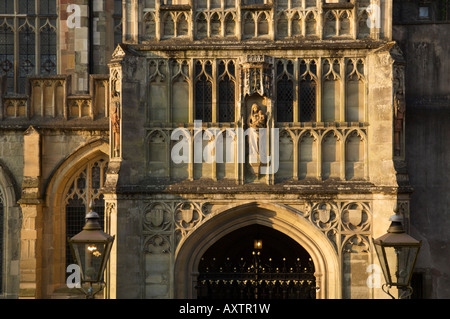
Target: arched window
column 226, row 92
column 285, row 92
column 33, row 24
column 48, row 49
column 84, row 189
column 203, row 91
column 307, row 91
column 27, row 53
column 7, row 54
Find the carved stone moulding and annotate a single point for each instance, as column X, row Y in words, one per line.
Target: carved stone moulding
column 257, row 75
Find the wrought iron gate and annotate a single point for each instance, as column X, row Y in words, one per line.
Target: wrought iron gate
column 256, row 279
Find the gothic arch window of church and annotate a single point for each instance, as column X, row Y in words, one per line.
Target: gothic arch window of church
column 286, row 156
column 27, row 41
column 48, row 48
column 27, row 53
column 202, row 26
column 203, row 91
column 285, row 91
column 215, row 25
column 354, row 155
column 308, row 156
column 227, row 85
column 331, row 155
column 230, row 24
column 263, row 23
column 149, row 26
column 344, row 23
column 282, row 25
column 331, row 92
column 354, row 91
column 308, row 91
column 7, row 57
column 249, row 25
column 168, row 25
column 84, row 189
column 182, row 27
column 330, row 24
column 157, row 156
column 310, row 24
column 296, row 24
column 363, row 28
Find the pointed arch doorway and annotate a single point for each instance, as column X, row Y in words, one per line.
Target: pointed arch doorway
column 256, row 262
column 193, row 247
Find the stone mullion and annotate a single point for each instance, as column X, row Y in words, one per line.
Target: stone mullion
column 343, row 81
column 295, row 144
column 157, row 21
column 342, row 156
column 319, row 156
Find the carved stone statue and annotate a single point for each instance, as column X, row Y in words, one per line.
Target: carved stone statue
column 399, row 114
column 256, row 121
column 115, row 125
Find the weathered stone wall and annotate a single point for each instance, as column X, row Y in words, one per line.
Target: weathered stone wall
column 427, row 50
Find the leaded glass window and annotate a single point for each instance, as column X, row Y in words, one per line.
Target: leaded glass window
column 308, row 100
column 285, row 100
column 48, row 49
column 285, row 92
column 226, row 91
column 203, row 91
column 7, row 53
column 307, row 91
column 27, row 41
column 84, row 189
column 27, row 53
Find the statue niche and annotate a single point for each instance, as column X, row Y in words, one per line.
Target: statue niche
column 256, row 120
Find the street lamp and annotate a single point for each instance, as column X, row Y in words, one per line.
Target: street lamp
column 90, row 249
column 397, row 253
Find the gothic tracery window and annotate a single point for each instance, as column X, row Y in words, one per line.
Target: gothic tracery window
column 285, row 92
column 307, row 91
column 203, row 91
column 27, row 41
column 84, row 189
column 226, row 92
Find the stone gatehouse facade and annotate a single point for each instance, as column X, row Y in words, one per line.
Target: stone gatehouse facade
column 134, row 79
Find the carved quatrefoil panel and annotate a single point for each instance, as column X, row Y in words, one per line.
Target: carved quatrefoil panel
column 157, row 217
column 355, row 216
column 187, row 216
column 325, row 215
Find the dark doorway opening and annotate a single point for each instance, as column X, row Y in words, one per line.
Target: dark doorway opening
column 235, row 267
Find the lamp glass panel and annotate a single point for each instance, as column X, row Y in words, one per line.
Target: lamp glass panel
column 90, row 257
column 401, row 262
column 383, row 264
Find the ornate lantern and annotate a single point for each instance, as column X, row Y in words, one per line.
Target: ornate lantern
column 90, row 249
column 397, row 253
